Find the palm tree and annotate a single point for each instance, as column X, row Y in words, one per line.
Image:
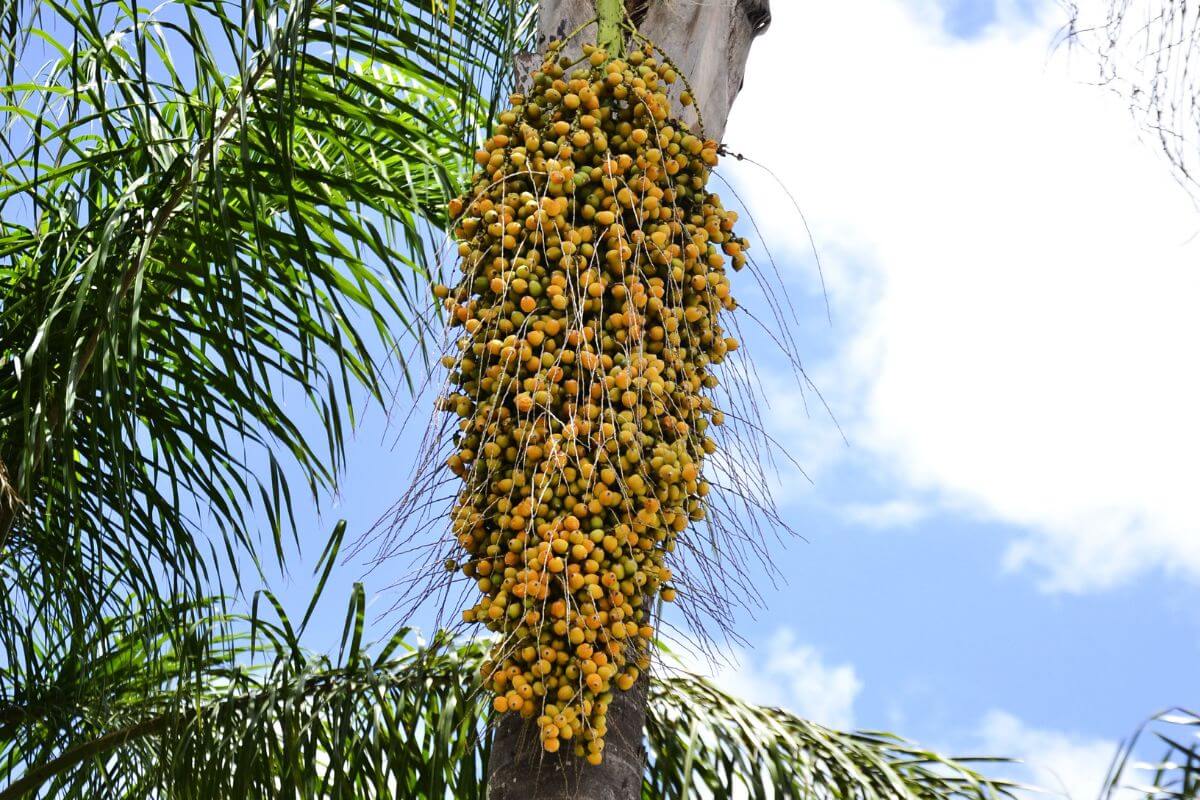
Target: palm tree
column 205, row 207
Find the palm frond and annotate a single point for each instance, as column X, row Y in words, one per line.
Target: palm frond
column 1173, row 775
column 414, row 726
column 188, row 701
column 238, row 709
column 213, row 217
column 1146, row 52
column 703, row 742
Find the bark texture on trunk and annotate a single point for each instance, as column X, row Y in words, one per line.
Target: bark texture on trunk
column 519, row 769
column 709, row 43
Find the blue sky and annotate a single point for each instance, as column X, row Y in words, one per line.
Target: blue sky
column 968, row 19
column 1004, row 557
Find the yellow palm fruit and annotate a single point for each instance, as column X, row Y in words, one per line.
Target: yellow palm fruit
column 590, row 306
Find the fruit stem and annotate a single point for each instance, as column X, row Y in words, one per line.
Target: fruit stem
column 609, row 16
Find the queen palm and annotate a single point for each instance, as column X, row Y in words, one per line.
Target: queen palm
column 206, row 207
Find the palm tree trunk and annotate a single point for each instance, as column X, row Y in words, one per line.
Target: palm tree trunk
column 519, row 769
column 708, row 43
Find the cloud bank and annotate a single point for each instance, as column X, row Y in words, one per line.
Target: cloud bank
column 1061, row 764
column 786, row 673
column 1014, row 278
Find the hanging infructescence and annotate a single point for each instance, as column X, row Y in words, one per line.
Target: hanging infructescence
column 590, row 313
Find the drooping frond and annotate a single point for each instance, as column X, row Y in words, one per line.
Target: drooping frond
column 238, row 709
column 413, row 726
column 186, row 701
column 704, row 741
column 213, row 217
column 1160, row 761
column 1147, row 51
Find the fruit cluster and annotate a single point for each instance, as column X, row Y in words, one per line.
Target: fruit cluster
column 593, row 277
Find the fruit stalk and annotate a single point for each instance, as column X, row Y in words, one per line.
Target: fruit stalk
column 609, row 16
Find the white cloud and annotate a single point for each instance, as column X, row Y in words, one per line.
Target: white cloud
column 1063, row 764
column 889, row 514
column 792, row 675
column 1013, row 275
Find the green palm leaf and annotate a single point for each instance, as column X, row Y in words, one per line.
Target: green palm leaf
column 1172, row 773
column 772, row 753
column 213, row 217
column 414, row 725
column 238, row 709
